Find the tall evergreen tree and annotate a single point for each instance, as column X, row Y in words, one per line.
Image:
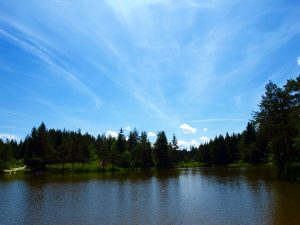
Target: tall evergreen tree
column 174, row 148
column 121, row 142
column 102, row 149
column 277, row 121
column 163, row 159
column 146, row 151
column 247, row 145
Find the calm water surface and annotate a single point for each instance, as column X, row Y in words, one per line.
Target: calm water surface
column 184, row 196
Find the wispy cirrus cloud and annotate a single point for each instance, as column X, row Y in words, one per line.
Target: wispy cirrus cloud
column 212, row 120
column 162, row 61
column 38, row 47
column 14, row 113
column 10, row 127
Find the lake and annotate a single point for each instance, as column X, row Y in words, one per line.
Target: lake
column 180, row 196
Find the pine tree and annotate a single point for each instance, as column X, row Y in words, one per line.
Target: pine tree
column 146, row 151
column 163, row 159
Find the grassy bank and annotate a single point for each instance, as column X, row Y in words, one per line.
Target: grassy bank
column 190, row 164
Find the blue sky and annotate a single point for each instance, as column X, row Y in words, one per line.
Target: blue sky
column 193, row 68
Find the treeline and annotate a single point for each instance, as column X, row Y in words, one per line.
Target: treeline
column 44, row 147
column 273, row 135
column 247, row 147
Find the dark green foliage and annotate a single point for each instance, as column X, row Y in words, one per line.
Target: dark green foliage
column 248, row 148
column 1, row 153
column 102, row 149
column 278, row 122
column 144, row 147
column 121, row 142
column 133, row 139
column 174, row 150
column 161, row 149
column 114, row 154
column 132, row 143
column 35, row 157
column 6, row 152
column 220, row 151
column 126, row 159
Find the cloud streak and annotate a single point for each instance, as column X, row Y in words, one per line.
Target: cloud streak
column 226, row 120
column 187, row 129
column 37, row 47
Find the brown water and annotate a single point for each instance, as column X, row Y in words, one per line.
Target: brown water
column 184, row 196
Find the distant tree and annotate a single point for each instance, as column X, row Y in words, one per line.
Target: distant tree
column 64, row 145
column 114, row 154
column 1, row 153
column 174, row 148
column 205, row 155
column 146, row 151
column 218, row 150
column 121, row 142
column 102, row 149
column 43, row 146
column 132, row 143
column 34, row 154
column 133, row 139
column 248, row 149
column 125, row 159
column 85, row 149
column 163, row 159
column 6, row 153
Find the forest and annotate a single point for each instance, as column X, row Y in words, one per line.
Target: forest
column 272, row 136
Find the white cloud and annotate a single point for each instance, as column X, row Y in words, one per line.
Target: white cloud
column 205, row 129
column 204, row 139
column 298, row 61
column 183, row 144
column 151, row 134
column 128, row 128
column 187, row 129
column 187, row 144
column 194, row 143
column 8, row 136
column 111, row 133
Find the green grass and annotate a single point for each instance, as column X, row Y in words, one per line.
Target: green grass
column 93, row 166
column 189, row 164
column 239, row 164
column 14, row 164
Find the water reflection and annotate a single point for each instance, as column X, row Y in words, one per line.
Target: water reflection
column 184, row 196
